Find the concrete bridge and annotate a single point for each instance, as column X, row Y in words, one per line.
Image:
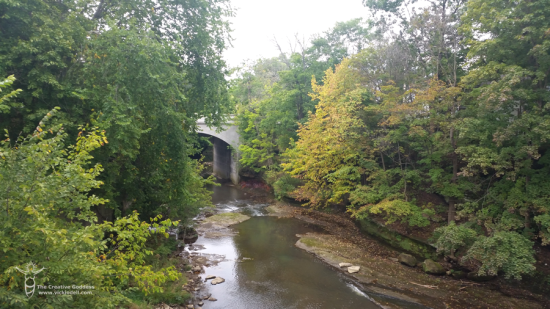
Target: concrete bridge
column 226, row 149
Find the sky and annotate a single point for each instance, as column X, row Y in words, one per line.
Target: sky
column 258, row 22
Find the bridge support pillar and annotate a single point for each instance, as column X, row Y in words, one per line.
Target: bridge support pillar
column 226, row 161
column 235, row 178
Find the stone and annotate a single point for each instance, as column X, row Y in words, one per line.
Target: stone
column 353, row 269
column 197, row 268
column 448, row 273
column 212, row 299
column 217, row 280
column 345, row 265
column 201, row 303
column 433, row 268
column 190, row 306
column 394, row 259
column 407, row 259
column 457, row 274
column 475, row 277
column 208, row 277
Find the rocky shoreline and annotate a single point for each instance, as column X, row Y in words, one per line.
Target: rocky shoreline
column 387, row 274
column 209, row 226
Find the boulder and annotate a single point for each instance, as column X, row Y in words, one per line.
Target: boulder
column 208, row 277
column 353, row 269
column 457, row 274
column 217, row 280
column 345, row 265
column 433, row 268
column 407, row 259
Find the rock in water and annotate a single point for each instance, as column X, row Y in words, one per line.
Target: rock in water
column 209, row 277
column 212, row 299
column 345, row 265
column 353, row 269
column 433, row 268
column 407, row 259
column 217, row 280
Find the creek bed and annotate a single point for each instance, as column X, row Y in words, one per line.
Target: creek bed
column 263, row 268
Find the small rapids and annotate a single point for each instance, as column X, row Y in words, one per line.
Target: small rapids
column 262, row 267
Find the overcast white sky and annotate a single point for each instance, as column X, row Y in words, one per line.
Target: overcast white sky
column 258, row 21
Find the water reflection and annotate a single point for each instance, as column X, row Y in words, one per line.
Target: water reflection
column 275, row 274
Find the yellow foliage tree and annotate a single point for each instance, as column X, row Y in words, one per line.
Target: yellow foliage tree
column 331, row 146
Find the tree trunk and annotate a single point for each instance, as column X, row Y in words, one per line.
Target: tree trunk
column 452, row 211
column 452, row 207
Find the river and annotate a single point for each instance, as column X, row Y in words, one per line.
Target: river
column 263, row 269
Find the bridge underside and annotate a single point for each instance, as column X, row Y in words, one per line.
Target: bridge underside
column 226, row 160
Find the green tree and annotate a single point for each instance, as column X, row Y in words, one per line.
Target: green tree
column 144, row 71
column 48, row 219
column 508, row 121
column 273, row 95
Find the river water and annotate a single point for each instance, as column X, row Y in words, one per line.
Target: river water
column 263, row 269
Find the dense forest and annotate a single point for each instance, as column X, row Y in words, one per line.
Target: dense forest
column 429, row 116
column 98, row 106
column 446, row 99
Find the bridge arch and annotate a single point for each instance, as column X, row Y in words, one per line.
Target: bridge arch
column 226, row 149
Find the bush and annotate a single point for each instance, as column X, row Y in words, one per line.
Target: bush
column 453, row 237
column 47, row 218
column 283, row 184
column 506, row 252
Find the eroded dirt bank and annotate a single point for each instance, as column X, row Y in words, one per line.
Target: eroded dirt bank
column 380, row 272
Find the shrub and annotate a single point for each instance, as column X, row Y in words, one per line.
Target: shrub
column 506, row 252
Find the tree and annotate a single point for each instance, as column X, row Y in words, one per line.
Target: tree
column 48, row 219
column 144, row 71
column 273, row 95
column 330, row 151
column 508, row 121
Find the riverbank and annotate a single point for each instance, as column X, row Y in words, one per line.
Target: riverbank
column 381, row 273
column 335, row 239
